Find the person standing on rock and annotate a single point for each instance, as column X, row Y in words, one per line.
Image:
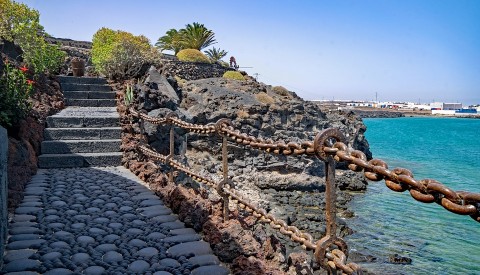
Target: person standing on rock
column 233, row 63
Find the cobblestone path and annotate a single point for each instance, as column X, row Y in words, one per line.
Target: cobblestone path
column 100, row 220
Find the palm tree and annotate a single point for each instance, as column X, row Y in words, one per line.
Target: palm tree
column 196, row 36
column 215, row 54
column 170, row 41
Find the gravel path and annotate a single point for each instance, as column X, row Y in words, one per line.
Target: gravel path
column 100, row 221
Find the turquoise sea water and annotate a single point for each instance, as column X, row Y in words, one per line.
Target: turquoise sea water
column 387, row 222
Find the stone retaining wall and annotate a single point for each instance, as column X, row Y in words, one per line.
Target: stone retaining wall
column 3, row 190
column 191, row 70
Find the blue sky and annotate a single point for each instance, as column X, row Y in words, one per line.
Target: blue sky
column 405, row 50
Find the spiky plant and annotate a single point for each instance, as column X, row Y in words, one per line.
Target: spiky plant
column 215, row 54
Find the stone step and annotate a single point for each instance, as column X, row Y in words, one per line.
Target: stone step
column 79, row 160
column 85, row 87
column 91, row 102
column 89, row 95
column 82, row 80
column 78, row 122
column 82, row 133
column 80, row 146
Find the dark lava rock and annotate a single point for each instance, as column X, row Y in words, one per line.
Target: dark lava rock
column 397, row 259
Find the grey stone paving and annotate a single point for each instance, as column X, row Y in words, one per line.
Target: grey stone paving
column 100, row 221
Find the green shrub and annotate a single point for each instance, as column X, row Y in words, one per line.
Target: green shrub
column 20, row 24
column 122, row 55
column 192, row 55
column 264, row 98
column 233, row 75
column 15, row 90
column 281, row 91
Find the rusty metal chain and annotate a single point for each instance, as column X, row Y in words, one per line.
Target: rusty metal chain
column 293, row 232
column 401, row 179
column 172, row 118
column 148, row 118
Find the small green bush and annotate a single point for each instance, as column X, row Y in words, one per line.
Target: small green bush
column 122, row 55
column 192, row 55
column 15, row 90
column 233, row 75
column 264, row 98
column 279, row 90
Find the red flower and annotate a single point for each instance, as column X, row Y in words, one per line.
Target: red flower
column 24, row 69
column 30, row 82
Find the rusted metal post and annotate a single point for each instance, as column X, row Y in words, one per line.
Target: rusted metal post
column 170, row 156
column 330, row 197
column 226, row 211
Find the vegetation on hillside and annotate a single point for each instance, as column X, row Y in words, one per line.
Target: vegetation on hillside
column 192, row 55
column 215, row 54
column 193, row 36
column 15, row 90
column 21, row 25
column 233, row 75
column 122, row 55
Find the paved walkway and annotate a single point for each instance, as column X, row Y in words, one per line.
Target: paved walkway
column 100, row 221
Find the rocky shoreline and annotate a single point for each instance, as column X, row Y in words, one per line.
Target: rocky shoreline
column 377, row 114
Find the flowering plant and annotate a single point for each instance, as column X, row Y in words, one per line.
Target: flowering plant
column 15, row 89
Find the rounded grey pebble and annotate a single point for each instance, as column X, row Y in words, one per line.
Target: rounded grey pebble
column 162, row 273
column 169, row 262
column 94, row 270
column 56, row 225
column 134, row 231
column 93, row 209
column 51, row 256
column 98, row 201
column 138, row 223
column 147, row 252
column 59, row 203
column 71, row 212
column 101, row 220
column 80, row 258
column 78, row 225
column 112, row 257
column 115, row 225
column 137, row 243
column 62, row 235
column 51, row 218
column 60, row 245
column 85, row 240
column 111, row 238
column 110, row 205
column 139, row 266
column 97, row 231
column 110, row 213
column 126, row 208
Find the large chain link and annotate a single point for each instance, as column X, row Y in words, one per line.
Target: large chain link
column 401, row 179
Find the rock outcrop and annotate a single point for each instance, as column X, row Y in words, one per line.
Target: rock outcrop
column 290, row 187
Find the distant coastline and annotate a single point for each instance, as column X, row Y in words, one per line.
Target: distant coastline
column 365, row 112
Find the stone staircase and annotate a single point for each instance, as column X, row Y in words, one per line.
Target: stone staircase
column 87, row 132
